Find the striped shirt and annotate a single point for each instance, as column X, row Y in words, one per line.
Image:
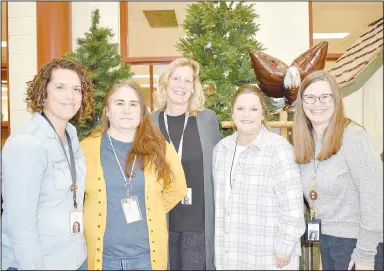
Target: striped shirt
column 264, row 213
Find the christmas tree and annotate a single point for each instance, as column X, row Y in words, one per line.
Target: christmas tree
column 101, row 57
column 220, row 35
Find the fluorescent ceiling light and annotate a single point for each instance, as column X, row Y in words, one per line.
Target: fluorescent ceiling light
column 3, row 44
column 326, row 36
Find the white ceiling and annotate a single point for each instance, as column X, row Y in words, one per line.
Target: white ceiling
column 147, row 41
column 337, row 17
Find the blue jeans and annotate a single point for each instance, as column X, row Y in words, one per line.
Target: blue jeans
column 142, row 262
column 336, row 253
column 84, row 266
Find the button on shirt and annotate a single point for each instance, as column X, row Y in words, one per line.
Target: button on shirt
column 236, row 163
column 158, row 199
column 37, row 199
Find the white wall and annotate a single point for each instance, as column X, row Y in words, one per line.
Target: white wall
column 354, row 106
column 81, row 18
column 22, row 57
column 373, row 108
column 365, row 106
column 284, row 28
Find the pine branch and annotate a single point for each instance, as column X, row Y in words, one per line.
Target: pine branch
column 219, row 35
column 101, row 57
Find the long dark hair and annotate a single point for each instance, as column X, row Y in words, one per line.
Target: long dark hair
column 149, row 144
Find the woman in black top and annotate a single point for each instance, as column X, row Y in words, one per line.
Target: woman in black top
column 193, row 130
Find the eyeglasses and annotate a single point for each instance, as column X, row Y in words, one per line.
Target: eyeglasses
column 324, row 98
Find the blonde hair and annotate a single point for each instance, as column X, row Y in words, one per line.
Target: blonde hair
column 302, row 128
column 197, row 99
column 255, row 90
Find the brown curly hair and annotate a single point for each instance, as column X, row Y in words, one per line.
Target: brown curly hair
column 37, row 88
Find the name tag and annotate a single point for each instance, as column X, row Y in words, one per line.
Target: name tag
column 187, row 200
column 76, row 224
column 131, row 209
column 313, row 230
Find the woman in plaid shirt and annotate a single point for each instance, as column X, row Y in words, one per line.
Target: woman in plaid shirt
column 259, row 215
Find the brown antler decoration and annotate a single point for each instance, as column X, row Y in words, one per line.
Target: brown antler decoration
column 270, row 72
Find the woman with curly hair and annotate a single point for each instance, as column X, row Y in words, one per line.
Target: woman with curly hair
column 44, row 173
column 134, row 177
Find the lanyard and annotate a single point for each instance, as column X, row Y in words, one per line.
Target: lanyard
column 72, row 165
column 313, row 193
column 180, row 150
column 128, row 184
column 233, row 159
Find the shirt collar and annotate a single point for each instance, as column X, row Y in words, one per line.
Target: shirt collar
column 260, row 141
column 46, row 127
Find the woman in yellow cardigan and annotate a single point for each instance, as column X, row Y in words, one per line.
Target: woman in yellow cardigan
column 134, row 177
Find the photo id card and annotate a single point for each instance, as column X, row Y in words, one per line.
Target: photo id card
column 187, row 200
column 131, row 209
column 312, row 230
column 76, row 224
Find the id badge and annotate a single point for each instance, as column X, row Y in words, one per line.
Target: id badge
column 76, row 222
column 187, row 200
column 312, row 230
column 131, row 209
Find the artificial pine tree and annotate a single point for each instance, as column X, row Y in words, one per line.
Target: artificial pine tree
column 102, row 59
column 220, row 36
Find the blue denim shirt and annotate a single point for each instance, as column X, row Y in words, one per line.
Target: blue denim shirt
column 38, row 200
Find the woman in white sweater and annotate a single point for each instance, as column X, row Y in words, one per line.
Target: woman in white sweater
column 259, row 215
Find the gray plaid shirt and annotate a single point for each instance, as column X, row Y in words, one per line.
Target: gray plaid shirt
column 264, row 213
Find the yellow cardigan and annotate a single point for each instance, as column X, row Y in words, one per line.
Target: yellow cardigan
column 158, row 201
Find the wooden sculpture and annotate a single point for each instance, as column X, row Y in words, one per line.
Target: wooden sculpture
column 276, row 79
